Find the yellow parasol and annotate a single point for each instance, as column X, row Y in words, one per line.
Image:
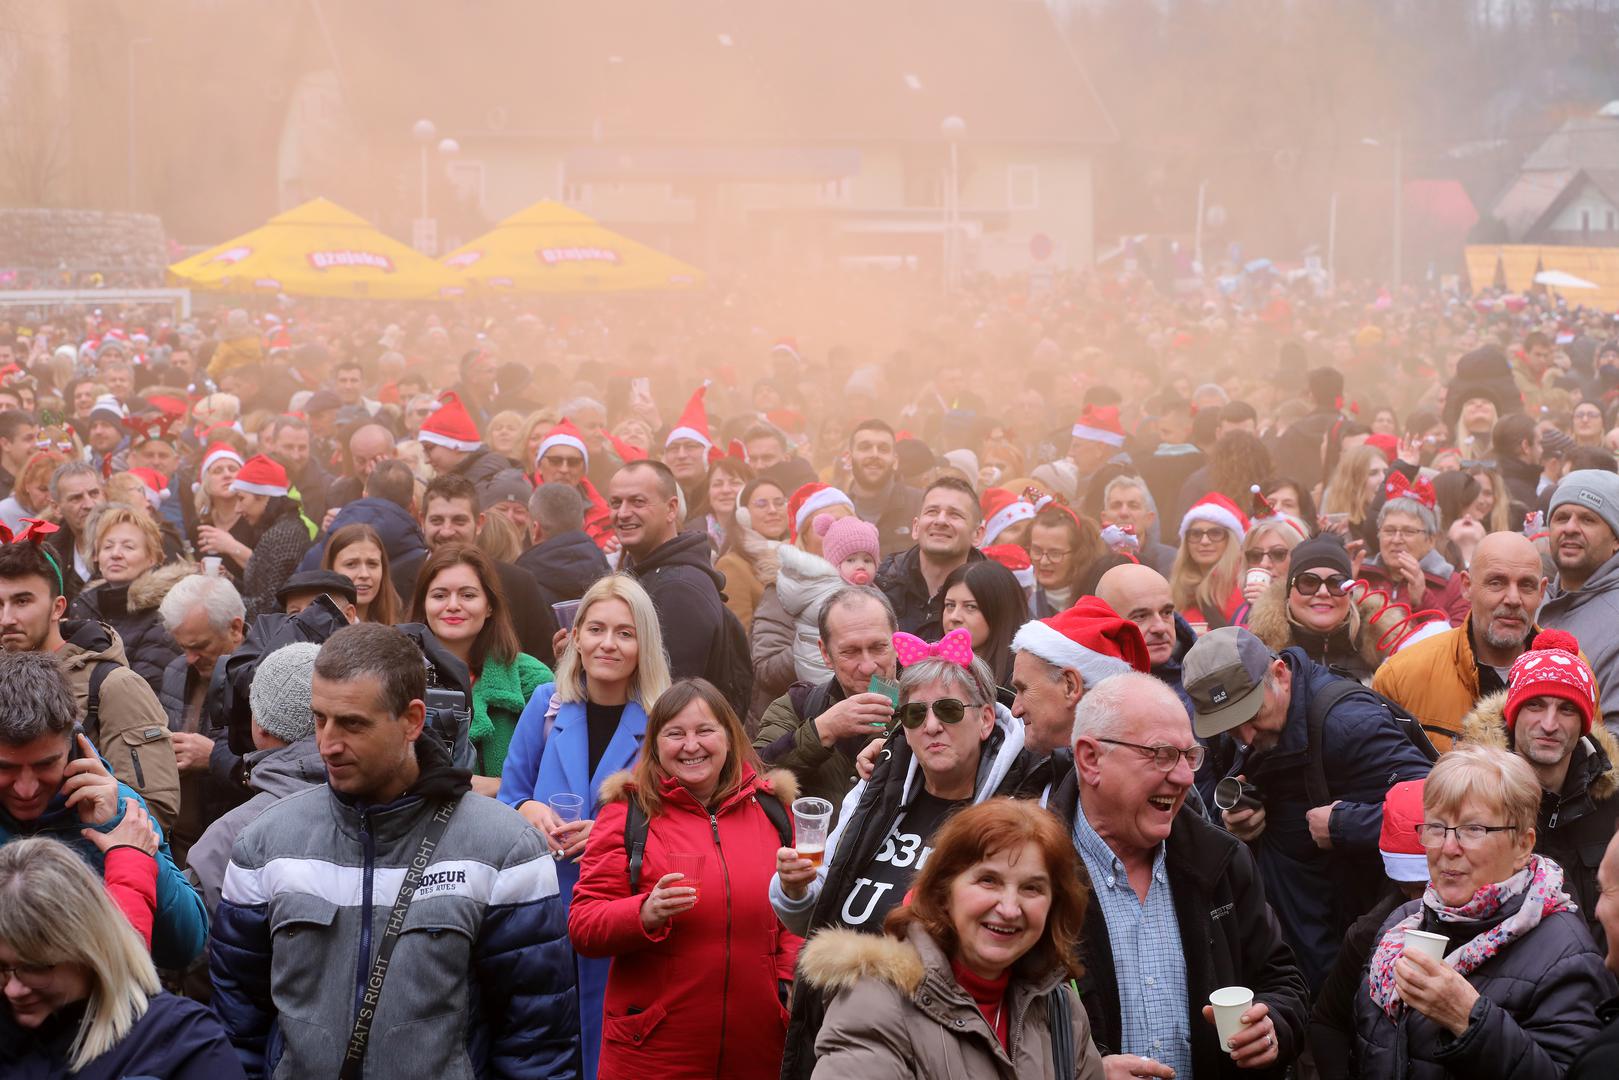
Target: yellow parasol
column 317, row 249
column 549, row 248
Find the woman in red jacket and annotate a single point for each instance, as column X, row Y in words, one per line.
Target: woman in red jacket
column 700, row 964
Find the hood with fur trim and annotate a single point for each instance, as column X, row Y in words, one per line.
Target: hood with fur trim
column 148, row 590
column 1269, row 622
column 779, row 782
column 835, row 960
column 1487, row 724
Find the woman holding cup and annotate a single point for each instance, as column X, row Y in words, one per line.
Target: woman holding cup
column 1515, row 991
column 700, row 966
column 580, row 730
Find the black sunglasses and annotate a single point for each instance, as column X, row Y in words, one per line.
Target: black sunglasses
column 1308, row 584
column 949, row 710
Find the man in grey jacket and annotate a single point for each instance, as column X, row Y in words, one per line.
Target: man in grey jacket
column 1584, row 597
column 286, row 762
column 482, row 981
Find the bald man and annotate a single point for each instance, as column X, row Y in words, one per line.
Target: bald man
column 1438, row 679
column 1141, row 594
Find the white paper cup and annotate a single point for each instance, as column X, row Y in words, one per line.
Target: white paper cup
column 211, row 565
column 1258, row 575
column 1229, row 1003
column 1427, row 944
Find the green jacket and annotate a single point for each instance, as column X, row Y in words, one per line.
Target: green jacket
column 498, row 697
column 787, row 739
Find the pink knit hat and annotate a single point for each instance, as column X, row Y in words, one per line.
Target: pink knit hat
column 842, row 537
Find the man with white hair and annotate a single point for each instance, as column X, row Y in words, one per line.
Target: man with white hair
column 1126, row 501
column 1178, row 906
column 589, row 416
column 207, row 619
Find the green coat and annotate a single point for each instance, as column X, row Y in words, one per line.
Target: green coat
column 825, row 772
column 498, row 698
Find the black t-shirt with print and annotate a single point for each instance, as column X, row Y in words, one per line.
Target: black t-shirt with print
column 885, row 880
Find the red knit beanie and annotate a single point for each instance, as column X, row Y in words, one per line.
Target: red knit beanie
column 1552, row 668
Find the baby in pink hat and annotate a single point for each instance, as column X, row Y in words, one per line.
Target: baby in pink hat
column 851, row 545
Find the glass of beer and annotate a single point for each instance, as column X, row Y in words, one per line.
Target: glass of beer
column 812, row 821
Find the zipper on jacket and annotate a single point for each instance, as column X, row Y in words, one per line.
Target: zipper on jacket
column 135, row 761
column 362, row 968
column 725, row 985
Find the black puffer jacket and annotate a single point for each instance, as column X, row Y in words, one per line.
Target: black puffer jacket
column 900, row 579
column 564, row 566
column 1536, row 1010
column 131, row 609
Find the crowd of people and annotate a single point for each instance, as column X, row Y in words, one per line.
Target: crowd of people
column 1081, row 683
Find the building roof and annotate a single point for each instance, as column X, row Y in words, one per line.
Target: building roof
column 719, row 71
column 1585, row 148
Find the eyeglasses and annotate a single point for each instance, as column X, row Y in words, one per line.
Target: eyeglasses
column 563, row 462
column 1398, row 532
column 1048, row 555
column 1259, row 555
column 1204, row 536
column 1165, row 756
column 1308, row 584
column 27, row 974
column 1433, row 834
column 949, row 710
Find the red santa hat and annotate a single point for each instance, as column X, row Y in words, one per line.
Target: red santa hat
column 451, row 425
column 1404, row 857
column 1099, row 423
column 564, row 434
column 787, row 346
column 1002, row 509
column 157, row 485
column 1216, row 509
column 810, row 500
column 1014, row 559
column 261, row 475
column 1089, row 638
column 220, row 452
column 693, row 422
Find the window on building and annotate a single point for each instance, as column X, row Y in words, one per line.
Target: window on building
column 1585, row 221
column 576, row 193
column 467, row 179
column 1611, row 221
column 834, row 192
column 1023, row 187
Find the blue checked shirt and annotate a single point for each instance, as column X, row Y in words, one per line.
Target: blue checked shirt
column 1147, row 956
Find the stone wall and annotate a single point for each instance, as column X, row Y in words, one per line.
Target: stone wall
column 40, row 243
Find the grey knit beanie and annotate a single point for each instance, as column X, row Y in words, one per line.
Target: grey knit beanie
column 280, row 692
column 1595, row 489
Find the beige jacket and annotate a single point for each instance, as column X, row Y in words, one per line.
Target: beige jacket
column 899, row 1014
column 133, row 730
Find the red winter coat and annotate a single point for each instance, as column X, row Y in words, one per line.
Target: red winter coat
column 699, row 998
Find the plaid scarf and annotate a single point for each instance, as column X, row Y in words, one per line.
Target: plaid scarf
column 1540, row 883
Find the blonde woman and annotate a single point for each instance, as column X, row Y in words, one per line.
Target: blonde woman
column 132, row 581
column 81, row 995
column 1206, row 580
column 1355, row 484
column 580, row 730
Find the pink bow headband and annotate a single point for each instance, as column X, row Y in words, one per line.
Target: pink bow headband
column 956, row 647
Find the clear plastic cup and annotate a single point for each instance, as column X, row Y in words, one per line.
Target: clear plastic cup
column 567, row 806
column 691, row 865
column 812, row 821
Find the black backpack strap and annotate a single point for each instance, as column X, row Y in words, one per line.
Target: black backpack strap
column 635, row 830
column 777, row 813
column 92, row 704
column 1060, row 1021
column 1315, row 773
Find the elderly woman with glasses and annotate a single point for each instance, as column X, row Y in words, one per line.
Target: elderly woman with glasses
column 1407, row 565
column 1492, row 974
column 1314, row 607
column 958, row 746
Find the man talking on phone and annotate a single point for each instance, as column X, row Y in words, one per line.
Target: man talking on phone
column 54, row 783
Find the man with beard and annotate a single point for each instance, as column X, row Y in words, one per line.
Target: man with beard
column 1584, row 597
column 879, row 496
column 947, row 530
column 1439, row 680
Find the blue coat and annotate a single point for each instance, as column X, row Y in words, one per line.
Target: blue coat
column 180, row 924
column 538, row 767
column 1318, row 893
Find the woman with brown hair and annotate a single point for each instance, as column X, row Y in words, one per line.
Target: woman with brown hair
column 970, row 978
column 358, row 553
column 700, row 970
column 458, row 596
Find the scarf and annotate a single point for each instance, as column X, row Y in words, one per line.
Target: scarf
column 1540, row 883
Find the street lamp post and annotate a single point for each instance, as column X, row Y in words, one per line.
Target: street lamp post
column 953, row 128
column 425, row 233
column 424, row 132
